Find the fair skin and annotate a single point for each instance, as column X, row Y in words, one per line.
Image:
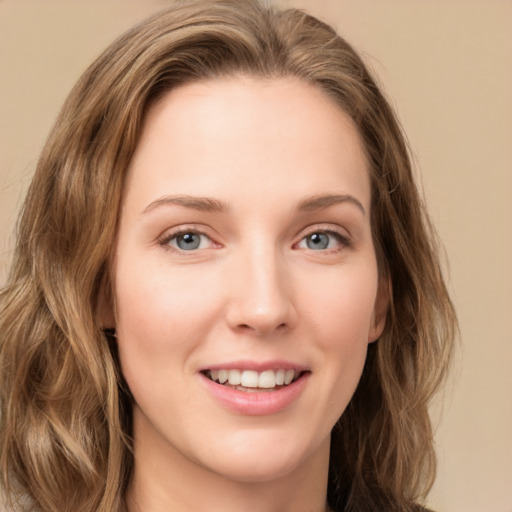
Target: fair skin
column 244, row 246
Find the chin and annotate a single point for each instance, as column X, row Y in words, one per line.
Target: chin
column 260, row 471
column 259, row 461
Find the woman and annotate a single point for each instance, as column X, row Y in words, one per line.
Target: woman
column 226, row 292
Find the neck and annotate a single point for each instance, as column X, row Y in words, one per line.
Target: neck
column 164, row 479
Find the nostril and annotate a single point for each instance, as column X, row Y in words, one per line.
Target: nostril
column 262, row 329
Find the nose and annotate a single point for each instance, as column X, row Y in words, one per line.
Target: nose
column 261, row 295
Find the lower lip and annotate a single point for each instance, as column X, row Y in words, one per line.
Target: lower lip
column 258, row 403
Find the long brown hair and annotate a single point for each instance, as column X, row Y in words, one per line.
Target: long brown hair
column 65, row 413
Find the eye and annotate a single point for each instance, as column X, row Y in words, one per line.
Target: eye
column 188, row 240
column 323, row 240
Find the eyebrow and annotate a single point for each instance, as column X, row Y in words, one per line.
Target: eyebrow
column 323, row 201
column 209, row 204
column 202, row 204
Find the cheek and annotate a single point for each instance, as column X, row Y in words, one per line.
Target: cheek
column 341, row 316
column 342, row 305
column 157, row 302
column 161, row 318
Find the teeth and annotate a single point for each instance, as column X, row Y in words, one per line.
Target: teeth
column 288, row 376
column 252, row 380
column 249, row 379
column 234, row 377
column 267, row 379
column 223, row 376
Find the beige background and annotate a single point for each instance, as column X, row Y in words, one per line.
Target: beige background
column 446, row 64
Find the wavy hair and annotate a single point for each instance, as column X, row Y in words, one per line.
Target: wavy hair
column 65, row 441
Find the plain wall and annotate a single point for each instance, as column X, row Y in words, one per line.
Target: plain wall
column 447, row 67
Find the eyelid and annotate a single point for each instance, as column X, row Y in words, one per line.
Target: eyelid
column 343, row 236
column 164, row 239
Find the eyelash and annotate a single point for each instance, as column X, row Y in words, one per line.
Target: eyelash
column 343, row 240
column 167, row 238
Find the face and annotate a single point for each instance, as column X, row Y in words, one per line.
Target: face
column 246, row 279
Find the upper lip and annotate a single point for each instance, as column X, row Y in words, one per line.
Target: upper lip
column 258, row 366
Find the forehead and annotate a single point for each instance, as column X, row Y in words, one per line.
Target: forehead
column 233, row 137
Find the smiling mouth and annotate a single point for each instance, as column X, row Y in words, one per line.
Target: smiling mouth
column 251, row 381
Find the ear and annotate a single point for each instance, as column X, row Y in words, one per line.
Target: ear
column 380, row 310
column 105, row 310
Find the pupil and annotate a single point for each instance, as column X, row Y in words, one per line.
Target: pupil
column 189, row 241
column 318, row 241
